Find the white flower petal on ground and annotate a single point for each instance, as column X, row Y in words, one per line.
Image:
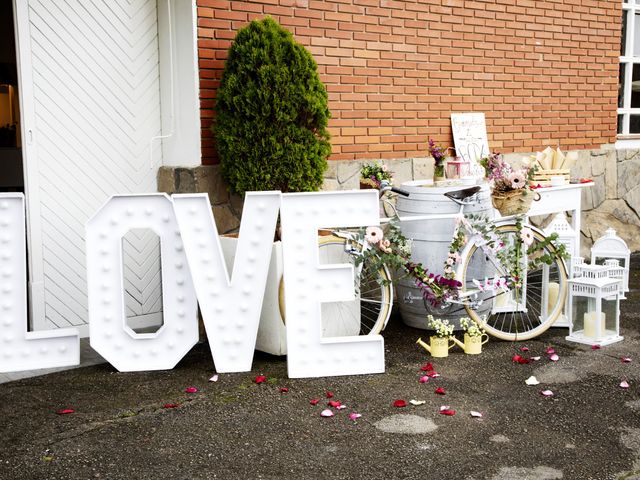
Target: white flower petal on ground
column 417, row 402
column 327, row 413
column 532, row 381
column 547, row 393
column 475, row 414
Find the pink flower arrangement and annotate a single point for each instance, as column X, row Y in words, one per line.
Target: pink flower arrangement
column 503, row 176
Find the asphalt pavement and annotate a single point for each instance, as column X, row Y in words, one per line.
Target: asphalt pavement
column 146, row 426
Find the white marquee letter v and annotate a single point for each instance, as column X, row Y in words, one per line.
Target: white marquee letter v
column 230, row 304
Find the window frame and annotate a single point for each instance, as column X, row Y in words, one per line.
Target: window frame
column 628, row 60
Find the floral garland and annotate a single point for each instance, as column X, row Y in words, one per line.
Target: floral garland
column 393, row 249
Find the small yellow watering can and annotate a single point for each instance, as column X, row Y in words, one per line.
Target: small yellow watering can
column 439, row 346
column 472, row 344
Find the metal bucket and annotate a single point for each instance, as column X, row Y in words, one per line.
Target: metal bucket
column 430, row 244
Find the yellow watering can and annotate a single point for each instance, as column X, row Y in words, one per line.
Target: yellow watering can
column 472, row 344
column 439, row 346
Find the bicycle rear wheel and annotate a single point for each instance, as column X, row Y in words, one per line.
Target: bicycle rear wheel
column 369, row 312
column 522, row 313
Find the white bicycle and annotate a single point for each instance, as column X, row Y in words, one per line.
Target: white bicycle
column 512, row 299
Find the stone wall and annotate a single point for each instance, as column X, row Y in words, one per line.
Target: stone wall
column 613, row 201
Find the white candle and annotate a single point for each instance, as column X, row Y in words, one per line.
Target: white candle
column 553, row 290
column 591, row 324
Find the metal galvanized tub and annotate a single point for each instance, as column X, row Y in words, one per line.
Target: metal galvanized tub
column 430, row 243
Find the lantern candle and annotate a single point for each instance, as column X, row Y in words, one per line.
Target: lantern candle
column 591, row 324
column 553, row 290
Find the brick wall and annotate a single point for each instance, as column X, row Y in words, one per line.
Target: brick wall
column 544, row 72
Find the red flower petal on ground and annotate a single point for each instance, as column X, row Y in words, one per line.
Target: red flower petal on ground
column 524, row 349
column 440, row 391
column 595, row 347
column 191, row 390
column 399, row 403
column 448, row 411
column 334, row 403
column 261, row 379
column 424, row 379
column 520, row 359
column 550, row 351
column 314, row 401
column 171, row 405
column 428, row 367
column 284, row 390
column 65, row 411
column 329, row 394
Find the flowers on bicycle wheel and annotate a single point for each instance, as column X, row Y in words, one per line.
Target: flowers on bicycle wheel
column 373, row 235
column 526, row 235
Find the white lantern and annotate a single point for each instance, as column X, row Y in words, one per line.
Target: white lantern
column 611, row 246
column 566, row 234
column 567, row 237
column 594, row 306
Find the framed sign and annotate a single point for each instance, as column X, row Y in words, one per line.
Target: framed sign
column 470, row 138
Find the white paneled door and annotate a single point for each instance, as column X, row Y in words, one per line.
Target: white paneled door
column 90, row 80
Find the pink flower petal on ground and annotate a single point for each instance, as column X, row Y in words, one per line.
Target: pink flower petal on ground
column 329, row 394
column 214, row 378
column 625, row 360
column 547, row 393
column 440, row 391
column 65, row 411
column 327, row 413
column 284, row 390
column 433, row 375
column 334, row 403
column 595, row 347
column 191, row 390
column 399, row 403
column 424, row 379
column 524, row 349
column 340, row 407
column 475, row 414
column 550, row 351
column 624, row 384
column 428, row 367
column 314, row 401
column 554, row 357
column 354, row 416
column 261, row 379
column 171, row 405
column 448, row 412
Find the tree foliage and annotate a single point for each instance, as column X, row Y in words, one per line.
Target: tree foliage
column 271, row 113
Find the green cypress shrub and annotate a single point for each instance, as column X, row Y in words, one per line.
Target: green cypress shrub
column 271, row 113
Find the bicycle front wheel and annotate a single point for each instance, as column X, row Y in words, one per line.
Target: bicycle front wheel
column 369, row 312
column 521, row 313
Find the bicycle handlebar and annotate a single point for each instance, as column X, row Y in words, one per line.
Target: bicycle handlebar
column 400, row 191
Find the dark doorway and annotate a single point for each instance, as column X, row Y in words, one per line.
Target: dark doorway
column 11, row 171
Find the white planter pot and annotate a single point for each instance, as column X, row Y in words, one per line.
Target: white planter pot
column 271, row 332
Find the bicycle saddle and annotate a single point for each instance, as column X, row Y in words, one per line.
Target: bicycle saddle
column 462, row 194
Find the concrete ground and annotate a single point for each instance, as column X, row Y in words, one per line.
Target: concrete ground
column 237, row 429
